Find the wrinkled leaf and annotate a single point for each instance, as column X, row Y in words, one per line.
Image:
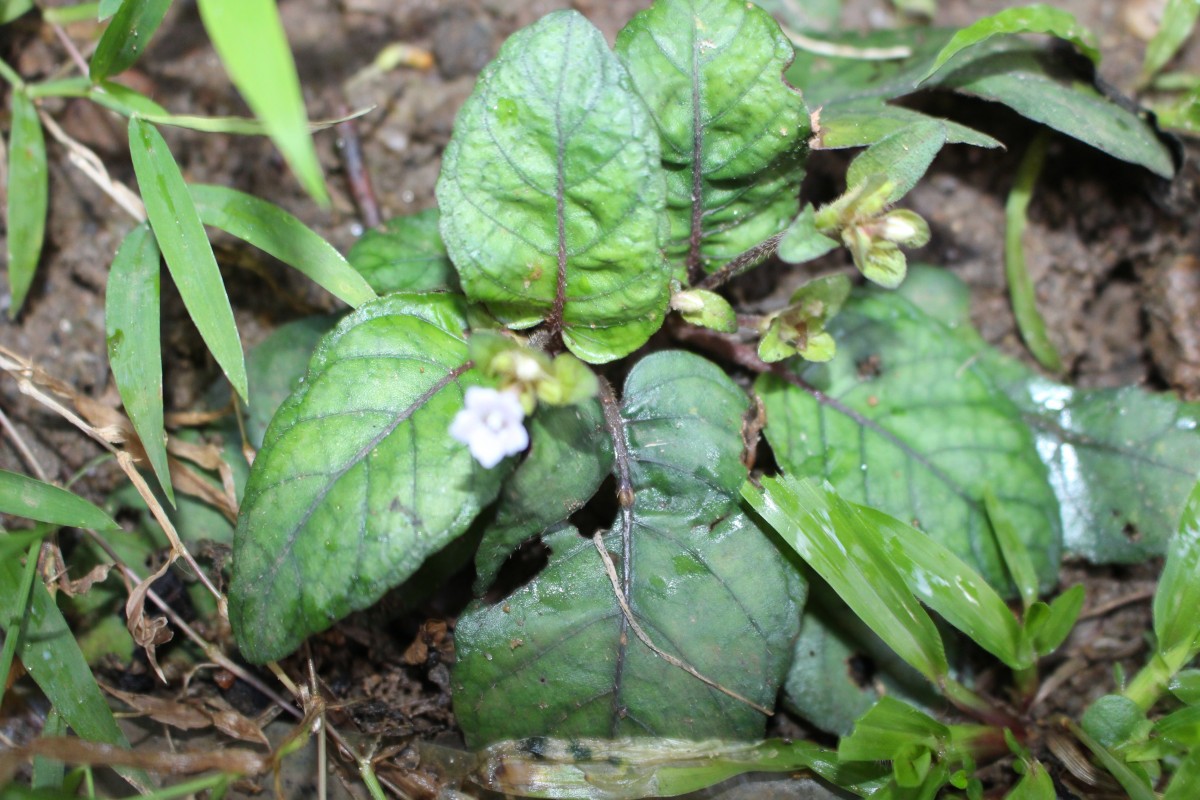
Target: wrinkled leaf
column 552, row 195
column 131, row 330
column 733, row 133
column 249, row 38
column 903, row 157
column 270, row 228
column 358, row 480
column 1177, row 599
column 275, row 367
column 1034, row 18
column 1177, row 23
column 185, row 248
column 126, row 37
column 863, row 123
column 27, row 497
column 406, row 255
column 28, row 187
column 833, row 538
column 570, row 453
column 556, row 658
column 905, row 421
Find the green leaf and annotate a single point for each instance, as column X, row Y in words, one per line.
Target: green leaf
column 733, row 133
column 1177, row 23
column 834, row 539
column 799, row 329
column 185, row 247
column 27, row 497
column 406, row 255
column 1049, row 625
column 1035, row 784
column 1185, row 783
column 131, row 330
column 11, row 9
column 1034, row 18
column 126, row 37
column 888, row 727
column 250, row 40
column 570, row 453
column 28, row 187
column 1177, row 599
column 1186, row 686
column 865, row 122
column 1020, row 286
column 123, row 100
column 557, row 657
column 802, row 241
column 1036, row 86
column 275, row 367
column 551, row 192
column 1133, row 782
column 904, row 420
column 48, row 650
column 1113, row 720
column 108, row 8
column 270, row 228
column 706, row 309
column 903, row 157
column 358, row 480
column 1016, row 556
column 1181, row 727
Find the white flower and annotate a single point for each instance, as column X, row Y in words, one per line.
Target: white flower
column 491, row 425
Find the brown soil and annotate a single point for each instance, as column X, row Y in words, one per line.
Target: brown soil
column 1112, row 256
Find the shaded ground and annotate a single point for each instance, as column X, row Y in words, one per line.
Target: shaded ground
column 1112, row 255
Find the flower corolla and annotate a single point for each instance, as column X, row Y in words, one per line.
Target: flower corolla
column 491, row 425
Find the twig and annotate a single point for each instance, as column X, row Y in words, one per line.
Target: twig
column 359, row 179
column 18, row 442
column 1136, row 596
column 611, row 569
column 741, row 263
column 93, row 168
column 71, row 49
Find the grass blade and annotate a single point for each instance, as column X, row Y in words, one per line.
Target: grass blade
column 1178, row 21
column 28, row 191
column 126, row 37
column 250, row 40
column 27, row 497
column 1015, row 553
column 131, row 323
column 11, row 9
column 184, row 244
column 1020, row 287
column 1177, row 599
column 270, row 228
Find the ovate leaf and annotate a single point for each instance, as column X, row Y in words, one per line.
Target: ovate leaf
column 184, row 244
column 1034, row 18
column 126, row 37
column 733, row 133
column 27, row 497
column 570, row 453
column 552, row 195
column 904, row 420
column 270, row 228
column 903, row 157
column 558, row 657
column 131, row 330
column 358, row 480
column 406, row 255
column 250, row 40
column 28, row 188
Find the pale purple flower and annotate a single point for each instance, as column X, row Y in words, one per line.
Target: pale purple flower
column 491, row 425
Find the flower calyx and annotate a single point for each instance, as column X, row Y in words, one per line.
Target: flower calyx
column 530, row 374
column 799, row 329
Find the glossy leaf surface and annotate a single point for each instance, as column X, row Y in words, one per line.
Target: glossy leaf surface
column 185, row 248
column 276, row 366
column 126, row 37
column 270, row 228
column 552, row 195
column 733, row 133
column 1177, row 600
column 903, row 420
column 357, row 481
column 557, row 657
column 570, row 453
column 406, row 255
column 28, row 195
column 131, row 330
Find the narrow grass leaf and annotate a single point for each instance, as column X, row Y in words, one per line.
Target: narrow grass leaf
column 270, row 228
column 27, row 497
column 1177, row 599
column 126, row 37
column 14, row 625
column 1185, row 783
column 184, row 244
column 28, row 190
column 131, row 329
column 11, row 9
column 1055, row 622
column 1012, row 549
column 1020, row 286
column 251, row 42
column 12, row 543
column 1134, row 785
column 48, row 772
column 826, row 531
column 47, row 648
column 1178, row 22
column 124, row 100
column 1035, row 18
